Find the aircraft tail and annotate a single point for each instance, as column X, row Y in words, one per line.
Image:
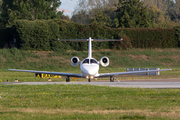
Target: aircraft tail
column 90, row 48
column 90, row 42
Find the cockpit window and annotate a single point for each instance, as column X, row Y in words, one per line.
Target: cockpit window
column 93, row 61
column 86, row 61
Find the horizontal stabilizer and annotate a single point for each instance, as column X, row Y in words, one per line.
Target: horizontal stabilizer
column 84, row 40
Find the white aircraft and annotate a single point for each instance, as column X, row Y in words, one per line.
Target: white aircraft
column 89, row 66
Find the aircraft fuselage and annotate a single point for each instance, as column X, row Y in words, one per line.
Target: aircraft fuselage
column 89, row 67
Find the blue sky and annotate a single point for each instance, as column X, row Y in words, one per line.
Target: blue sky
column 68, row 5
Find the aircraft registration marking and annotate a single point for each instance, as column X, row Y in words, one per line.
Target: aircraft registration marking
column 41, row 75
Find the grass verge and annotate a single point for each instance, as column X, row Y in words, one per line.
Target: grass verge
column 87, row 102
column 60, row 62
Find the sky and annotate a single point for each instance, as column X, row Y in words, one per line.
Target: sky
column 68, row 5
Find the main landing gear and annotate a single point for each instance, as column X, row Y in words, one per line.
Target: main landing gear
column 111, row 79
column 67, row 79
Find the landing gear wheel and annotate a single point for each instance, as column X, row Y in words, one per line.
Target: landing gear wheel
column 111, row 79
column 67, row 79
column 89, row 80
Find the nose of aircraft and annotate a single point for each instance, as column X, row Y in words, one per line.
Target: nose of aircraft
column 90, row 69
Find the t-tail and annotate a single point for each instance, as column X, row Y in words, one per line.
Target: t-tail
column 90, row 48
column 90, row 43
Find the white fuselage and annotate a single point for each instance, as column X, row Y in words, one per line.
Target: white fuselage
column 89, row 67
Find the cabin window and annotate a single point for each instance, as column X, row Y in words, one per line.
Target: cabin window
column 86, row 61
column 93, row 61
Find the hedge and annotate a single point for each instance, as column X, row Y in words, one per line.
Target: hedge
column 152, row 38
column 6, row 38
column 44, row 35
column 177, row 34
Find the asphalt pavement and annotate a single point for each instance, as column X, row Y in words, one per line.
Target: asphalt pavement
column 157, row 83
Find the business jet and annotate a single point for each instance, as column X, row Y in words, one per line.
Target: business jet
column 89, row 66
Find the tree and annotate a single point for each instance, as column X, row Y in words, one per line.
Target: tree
column 132, row 14
column 158, row 17
column 29, row 9
column 0, row 6
column 86, row 10
column 65, row 17
column 102, row 19
column 1, row 24
column 89, row 5
column 161, row 4
column 175, row 11
column 168, row 7
column 82, row 17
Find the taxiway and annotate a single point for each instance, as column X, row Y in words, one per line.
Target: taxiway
column 157, row 83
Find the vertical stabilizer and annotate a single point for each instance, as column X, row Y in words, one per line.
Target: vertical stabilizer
column 90, row 48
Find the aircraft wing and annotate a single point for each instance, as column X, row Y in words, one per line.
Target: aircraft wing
column 53, row 73
column 129, row 73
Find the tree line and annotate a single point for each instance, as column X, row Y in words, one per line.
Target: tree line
column 128, row 13
column 12, row 10
column 32, row 22
column 111, row 13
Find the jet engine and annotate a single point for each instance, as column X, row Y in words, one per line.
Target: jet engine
column 75, row 61
column 104, row 61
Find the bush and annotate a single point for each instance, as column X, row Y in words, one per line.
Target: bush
column 125, row 43
column 151, row 38
column 44, row 35
column 177, row 34
column 35, row 35
column 6, row 38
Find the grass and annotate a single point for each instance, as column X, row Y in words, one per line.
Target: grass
column 60, row 61
column 87, row 102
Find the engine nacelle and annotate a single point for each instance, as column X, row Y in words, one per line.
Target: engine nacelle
column 104, row 61
column 75, row 61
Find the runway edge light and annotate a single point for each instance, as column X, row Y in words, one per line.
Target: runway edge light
column 16, row 80
column 49, row 80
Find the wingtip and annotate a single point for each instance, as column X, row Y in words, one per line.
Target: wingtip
column 169, row 69
column 11, row 69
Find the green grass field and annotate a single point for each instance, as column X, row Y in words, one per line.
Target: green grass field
column 60, row 62
column 84, row 101
column 87, row 102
